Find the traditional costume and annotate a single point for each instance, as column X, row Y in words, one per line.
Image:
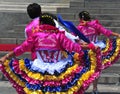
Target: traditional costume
column 51, row 72
column 29, row 30
column 31, row 26
column 110, row 47
column 34, row 24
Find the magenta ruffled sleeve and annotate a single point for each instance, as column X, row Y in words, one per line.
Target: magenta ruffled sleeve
column 32, row 25
column 101, row 29
column 68, row 44
column 25, row 46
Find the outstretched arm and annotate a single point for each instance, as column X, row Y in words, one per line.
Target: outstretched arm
column 7, row 56
column 104, row 31
column 25, row 46
column 89, row 46
column 72, row 46
column 116, row 34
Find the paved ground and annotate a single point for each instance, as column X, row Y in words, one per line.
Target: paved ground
column 5, row 88
column 106, row 89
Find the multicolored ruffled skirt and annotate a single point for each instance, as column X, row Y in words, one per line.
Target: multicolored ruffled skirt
column 73, row 78
column 111, row 53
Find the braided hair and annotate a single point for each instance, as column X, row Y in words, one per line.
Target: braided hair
column 50, row 14
column 85, row 16
column 47, row 19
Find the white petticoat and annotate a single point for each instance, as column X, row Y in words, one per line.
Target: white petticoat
column 101, row 44
column 39, row 65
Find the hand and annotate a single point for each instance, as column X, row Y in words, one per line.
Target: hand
column 118, row 35
column 3, row 59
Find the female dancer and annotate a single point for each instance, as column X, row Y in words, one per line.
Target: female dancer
column 34, row 12
column 51, row 72
column 92, row 29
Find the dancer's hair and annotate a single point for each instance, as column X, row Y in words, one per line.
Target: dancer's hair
column 50, row 14
column 85, row 16
column 34, row 10
column 47, row 19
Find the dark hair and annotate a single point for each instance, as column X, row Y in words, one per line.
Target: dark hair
column 50, row 14
column 85, row 16
column 34, row 10
column 47, row 19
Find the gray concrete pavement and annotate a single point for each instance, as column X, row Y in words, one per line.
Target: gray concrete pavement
column 6, row 88
column 106, row 89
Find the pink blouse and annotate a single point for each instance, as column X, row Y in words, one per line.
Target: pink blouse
column 29, row 30
column 48, row 38
column 93, row 29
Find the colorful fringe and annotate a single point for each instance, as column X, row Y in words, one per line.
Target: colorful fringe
column 111, row 53
column 74, row 80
